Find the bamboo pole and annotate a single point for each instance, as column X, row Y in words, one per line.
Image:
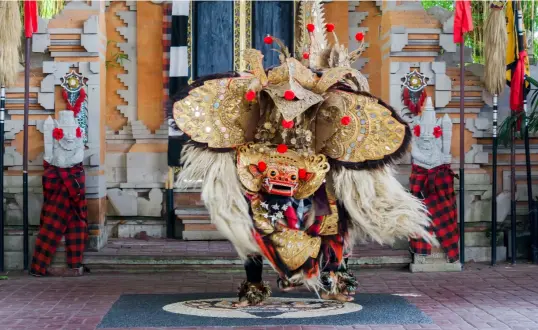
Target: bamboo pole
column 494, row 185
column 462, row 152
column 171, row 218
column 25, row 152
column 2, row 116
column 521, row 47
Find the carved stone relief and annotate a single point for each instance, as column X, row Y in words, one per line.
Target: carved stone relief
column 64, row 145
column 430, row 146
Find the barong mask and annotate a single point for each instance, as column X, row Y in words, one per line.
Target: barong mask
column 280, row 171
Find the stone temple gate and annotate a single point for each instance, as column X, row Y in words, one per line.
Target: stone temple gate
column 132, row 62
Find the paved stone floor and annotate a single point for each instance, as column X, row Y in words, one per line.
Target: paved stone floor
column 481, row 297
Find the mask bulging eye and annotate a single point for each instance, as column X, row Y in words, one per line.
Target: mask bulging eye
column 272, row 173
column 293, row 177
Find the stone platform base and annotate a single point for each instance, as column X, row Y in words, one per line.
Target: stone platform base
column 435, row 267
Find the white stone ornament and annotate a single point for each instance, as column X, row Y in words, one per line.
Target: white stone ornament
column 72, row 82
column 69, row 149
column 428, row 150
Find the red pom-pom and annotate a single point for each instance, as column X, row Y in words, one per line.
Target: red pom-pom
column 437, row 132
column 302, row 173
column 79, row 132
column 310, row 27
column 282, row 148
column 329, row 27
column 416, row 130
column 287, row 124
column 306, row 55
column 345, row 120
column 289, row 95
column 262, row 166
column 359, row 36
column 268, row 40
column 58, row 133
column 250, row 95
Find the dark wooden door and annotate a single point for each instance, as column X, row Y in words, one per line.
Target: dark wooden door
column 213, row 33
column 274, row 18
column 215, row 27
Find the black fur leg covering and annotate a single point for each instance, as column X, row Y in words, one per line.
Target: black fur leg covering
column 339, row 282
column 254, row 293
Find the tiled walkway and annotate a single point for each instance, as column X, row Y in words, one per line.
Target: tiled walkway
column 479, row 298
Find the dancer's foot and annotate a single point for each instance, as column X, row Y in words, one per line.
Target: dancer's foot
column 246, row 303
column 337, row 296
column 285, row 286
column 253, row 294
column 287, row 289
column 349, row 292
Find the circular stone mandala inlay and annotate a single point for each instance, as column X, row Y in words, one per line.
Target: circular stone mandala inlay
column 283, row 308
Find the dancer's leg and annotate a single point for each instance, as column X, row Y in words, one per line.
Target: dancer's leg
column 339, row 283
column 254, row 269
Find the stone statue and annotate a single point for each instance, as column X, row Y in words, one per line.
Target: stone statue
column 432, row 180
column 64, row 145
column 431, row 138
column 65, row 209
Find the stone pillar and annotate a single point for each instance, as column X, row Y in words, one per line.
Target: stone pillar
column 137, row 134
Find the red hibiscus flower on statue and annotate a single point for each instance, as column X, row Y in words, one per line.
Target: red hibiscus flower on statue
column 58, row 134
column 79, row 132
column 437, row 132
column 416, row 130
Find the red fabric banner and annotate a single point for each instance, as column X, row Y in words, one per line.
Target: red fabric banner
column 516, row 85
column 30, row 17
column 463, row 20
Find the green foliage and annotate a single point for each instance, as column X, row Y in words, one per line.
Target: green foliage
column 49, row 8
column 447, row 4
column 533, row 106
column 475, row 40
column 4, row 278
column 510, row 122
column 116, row 59
column 505, row 129
column 479, row 9
column 46, row 8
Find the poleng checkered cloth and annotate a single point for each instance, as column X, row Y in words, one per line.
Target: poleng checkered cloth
column 64, row 212
column 436, row 187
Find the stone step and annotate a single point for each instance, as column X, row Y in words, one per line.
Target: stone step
column 196, row 224
column 188, row 213
column 14, row 243
column 167, row 254
column 150, row 260
column 146, row 263
column 182, row 199
column 121, row 228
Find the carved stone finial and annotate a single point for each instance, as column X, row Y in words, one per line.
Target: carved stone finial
column 64, row 146
column 431, row 138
